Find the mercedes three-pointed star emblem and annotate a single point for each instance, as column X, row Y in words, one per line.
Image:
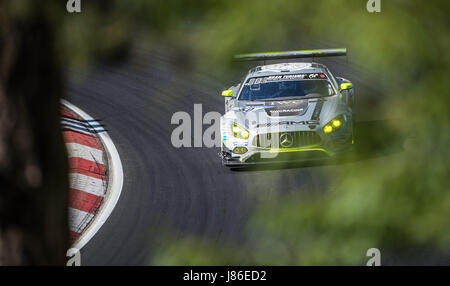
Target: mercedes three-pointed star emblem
column 286, row 140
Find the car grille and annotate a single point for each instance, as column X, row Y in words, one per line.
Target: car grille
column 298, row 138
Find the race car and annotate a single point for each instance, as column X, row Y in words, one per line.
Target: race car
column 293, row 111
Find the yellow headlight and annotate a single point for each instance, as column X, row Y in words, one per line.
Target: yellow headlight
column 239, row 132
column 244, row 134
column 336, row 123
column 327, row 129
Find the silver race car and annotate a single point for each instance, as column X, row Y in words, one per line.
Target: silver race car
column 287, row 111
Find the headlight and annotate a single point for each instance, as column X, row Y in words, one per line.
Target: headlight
column 334, row 125
column 239, row 131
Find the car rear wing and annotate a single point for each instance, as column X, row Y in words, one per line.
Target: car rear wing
column 291, row 55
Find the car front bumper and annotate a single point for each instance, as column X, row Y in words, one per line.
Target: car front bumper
column 327, row 149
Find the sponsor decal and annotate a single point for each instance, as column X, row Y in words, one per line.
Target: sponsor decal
column 274, row 78
column 256, row 107
column 303, row 122
column 287, row 107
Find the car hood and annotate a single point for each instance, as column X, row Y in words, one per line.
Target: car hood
column 281, row 108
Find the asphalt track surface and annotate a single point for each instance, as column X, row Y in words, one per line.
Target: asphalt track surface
column 185, row 191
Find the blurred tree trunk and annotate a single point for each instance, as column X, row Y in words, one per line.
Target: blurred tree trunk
column 33, row 160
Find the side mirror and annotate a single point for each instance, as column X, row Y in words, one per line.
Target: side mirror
column 346, row 85
column 227, row 93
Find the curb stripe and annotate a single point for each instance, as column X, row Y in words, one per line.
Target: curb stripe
column 84, row 129
column 66, row 129
column 73, row 235
column 83, row 139
column 82, row 123
column 76, row 118
column 89, row 174
column 114, row 184
column 84, row 201
column 84, row 152
column 87, row 184
column 81, row 164
column 68, row 113
column 78, row 220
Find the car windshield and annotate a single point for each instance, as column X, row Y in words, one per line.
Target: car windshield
column 262, row 88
